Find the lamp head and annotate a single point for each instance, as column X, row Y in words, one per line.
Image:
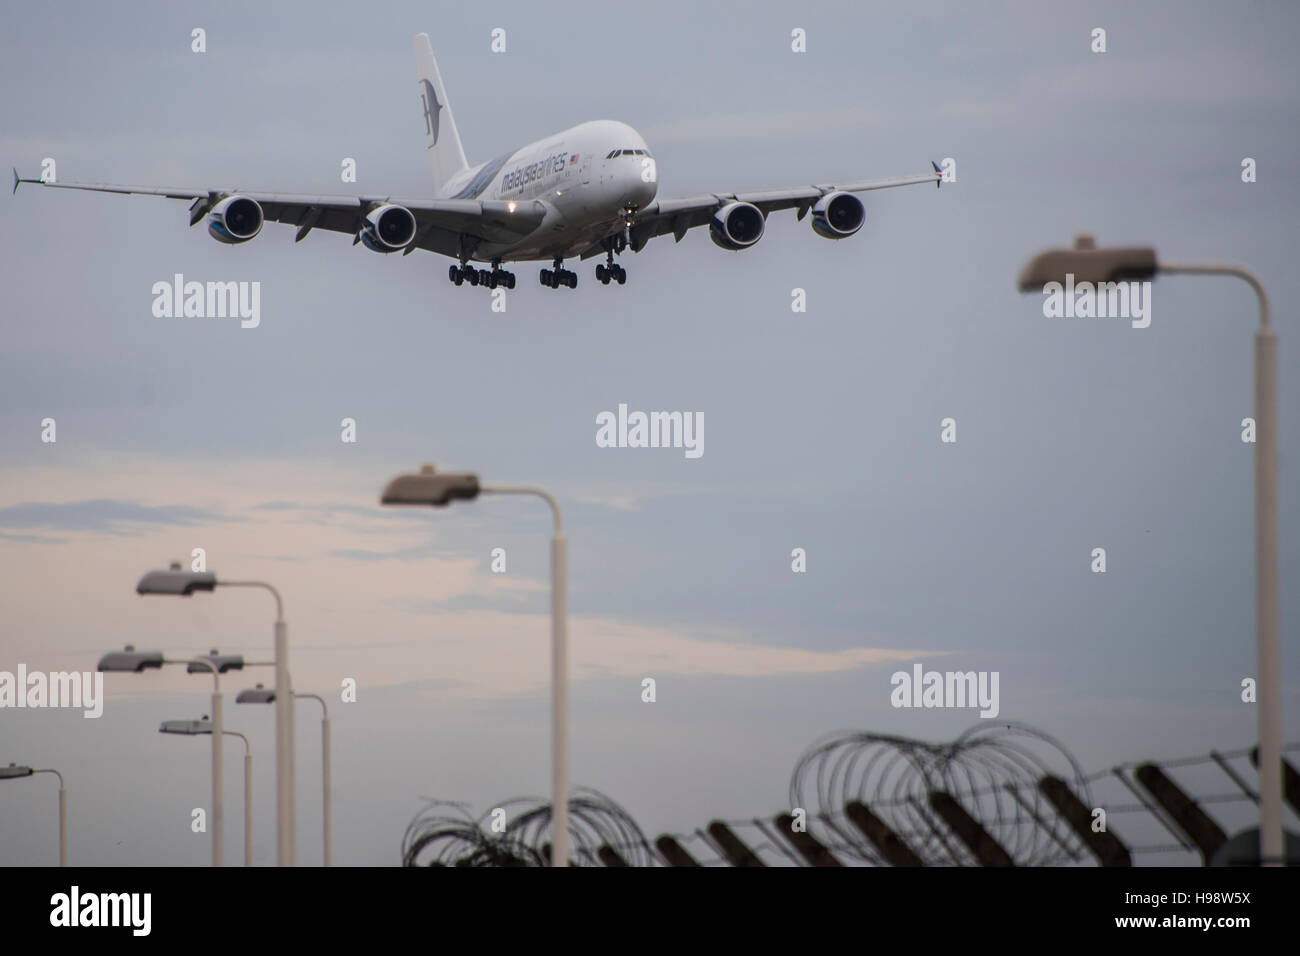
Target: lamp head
column 1087, row 263
column 256, row 695
column 429, row 487
column 188, row 728
column 130, row 661
column 176, row 581
column 222, row 662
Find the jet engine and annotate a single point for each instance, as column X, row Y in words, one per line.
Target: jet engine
column 737, row 225
column 838, row 215
column 388, row 228
column 235, row 219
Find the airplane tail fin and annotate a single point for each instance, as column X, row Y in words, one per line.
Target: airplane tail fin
column 442, row 141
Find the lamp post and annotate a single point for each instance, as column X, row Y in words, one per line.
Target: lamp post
column 194, row 727
column 261, row 695
column 132, row 661
column 428, row 487
column 176, row 581
column 13, row 772
column 1088, row 263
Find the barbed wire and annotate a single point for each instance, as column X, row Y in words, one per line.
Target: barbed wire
column 436, row 839
column 517, row 832
column 993, row 773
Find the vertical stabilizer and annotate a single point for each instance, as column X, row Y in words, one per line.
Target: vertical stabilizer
column 442, row 141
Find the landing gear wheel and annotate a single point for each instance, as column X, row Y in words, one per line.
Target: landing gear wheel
column 471, row 275
column 453, row 273
column 601, row 275
column 620, row 275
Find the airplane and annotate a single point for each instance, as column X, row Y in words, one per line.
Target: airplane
column 587, row 190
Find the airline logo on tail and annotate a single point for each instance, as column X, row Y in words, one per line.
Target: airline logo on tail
column 431, row 109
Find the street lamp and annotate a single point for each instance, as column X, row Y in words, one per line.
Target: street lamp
column 192, row 728
column 132, row 661
column 13, row 772
column 261, row 695
column 176, row 581
column 428, row 487
column 1088, row 263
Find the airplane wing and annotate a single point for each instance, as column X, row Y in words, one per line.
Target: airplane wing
column 680, row 215
column 439, row 222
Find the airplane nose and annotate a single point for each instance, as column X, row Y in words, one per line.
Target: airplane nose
column 641, row 192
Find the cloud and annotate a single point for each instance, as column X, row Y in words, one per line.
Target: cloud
column 493, row 654
column 409, row 610
column 105, row 515
column 31, row 538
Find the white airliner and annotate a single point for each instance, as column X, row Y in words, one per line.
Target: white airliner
column 588, row 190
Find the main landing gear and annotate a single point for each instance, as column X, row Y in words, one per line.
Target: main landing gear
column 493, row 278
column 611, row 271
column 555, row 277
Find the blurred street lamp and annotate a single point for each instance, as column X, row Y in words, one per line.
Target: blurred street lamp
column 176, row 581
column 429, row 487
column 132, row 661
column 192, row 728
column 1087, row 263
column 261, row 695
column 13, row 772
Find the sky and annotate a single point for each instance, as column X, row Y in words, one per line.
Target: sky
column 822, row 426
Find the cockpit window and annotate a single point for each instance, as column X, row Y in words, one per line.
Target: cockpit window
column 613, row 153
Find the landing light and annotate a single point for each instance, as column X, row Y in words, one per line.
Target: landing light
column 510, row 207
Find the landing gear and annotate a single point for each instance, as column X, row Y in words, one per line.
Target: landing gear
column 611, row 270
column 611, row 273
column 493, row 278
column 557, row 277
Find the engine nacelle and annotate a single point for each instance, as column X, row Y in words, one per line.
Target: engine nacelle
column 235, row 219
column 737, row 225
column 388, row 228
column 838, row 215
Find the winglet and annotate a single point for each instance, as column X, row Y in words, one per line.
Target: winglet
column 15, row 169
column 18, row 179
column 938, row 182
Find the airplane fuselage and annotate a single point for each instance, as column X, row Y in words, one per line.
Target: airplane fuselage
column 587, row 177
